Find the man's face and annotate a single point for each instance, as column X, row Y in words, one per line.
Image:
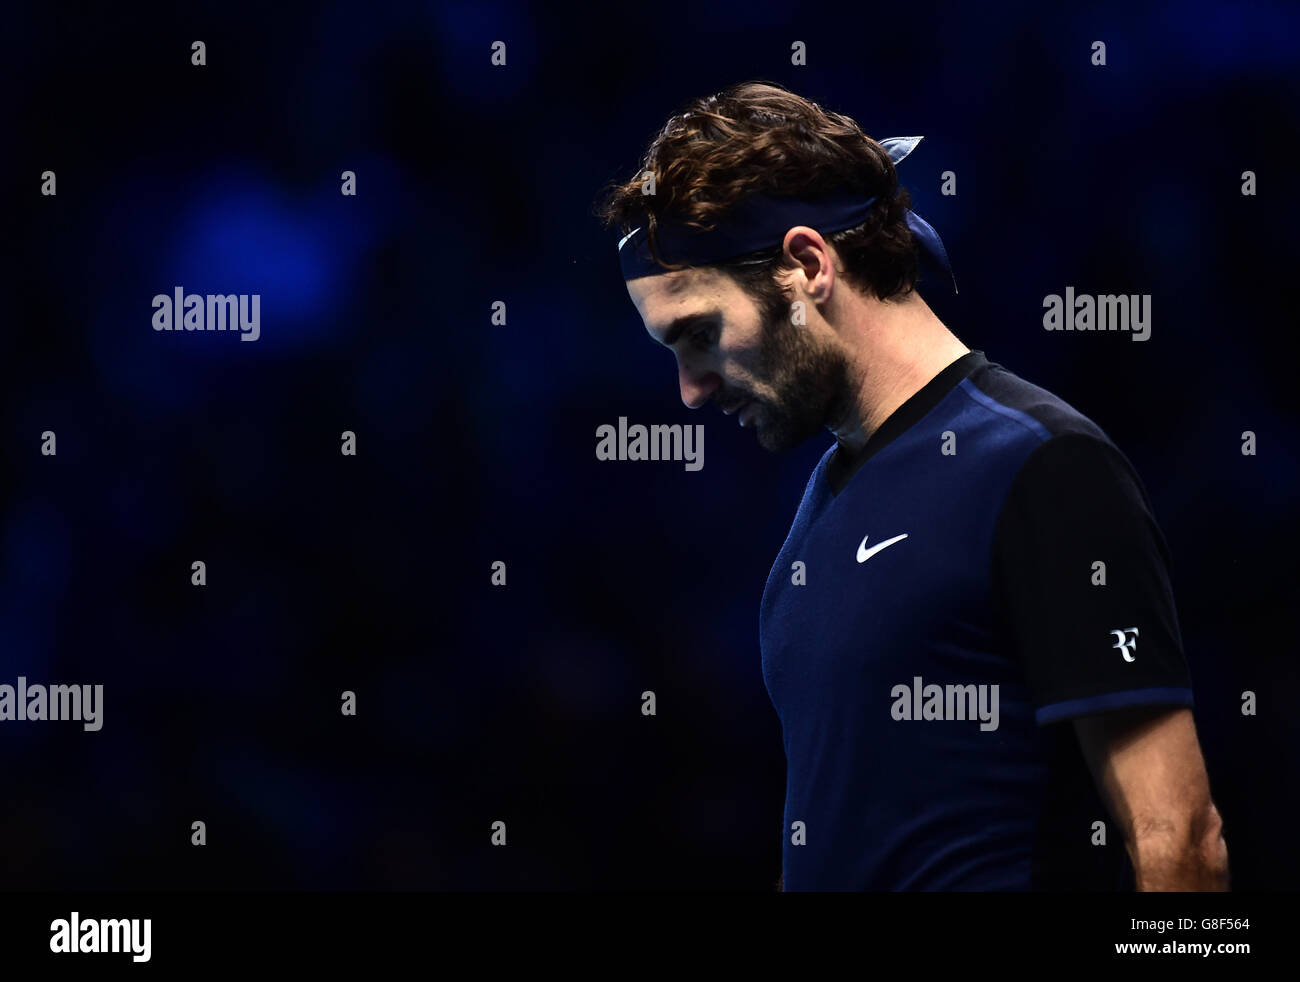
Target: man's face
column 785, row 381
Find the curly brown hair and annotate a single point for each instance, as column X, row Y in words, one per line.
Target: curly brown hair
column 757, row 137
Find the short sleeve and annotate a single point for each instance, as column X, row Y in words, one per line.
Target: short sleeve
column 1081, row 580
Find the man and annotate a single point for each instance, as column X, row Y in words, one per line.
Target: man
column 972, row 610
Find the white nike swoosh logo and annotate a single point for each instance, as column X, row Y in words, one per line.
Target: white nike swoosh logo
column 864, row 553
column 626, row 237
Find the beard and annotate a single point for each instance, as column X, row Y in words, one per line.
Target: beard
column 811, row 380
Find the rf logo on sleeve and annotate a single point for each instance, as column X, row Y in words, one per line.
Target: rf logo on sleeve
column 1125, row 644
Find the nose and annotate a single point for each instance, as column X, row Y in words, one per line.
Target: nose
column 697, row 387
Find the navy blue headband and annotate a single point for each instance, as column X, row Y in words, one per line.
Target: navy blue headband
column 760, row 221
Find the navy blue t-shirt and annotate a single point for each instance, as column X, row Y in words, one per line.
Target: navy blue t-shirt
column 986, row 568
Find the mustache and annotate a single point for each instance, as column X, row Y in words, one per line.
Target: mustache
column 733, row 399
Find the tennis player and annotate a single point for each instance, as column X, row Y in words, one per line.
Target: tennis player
column 969, row 635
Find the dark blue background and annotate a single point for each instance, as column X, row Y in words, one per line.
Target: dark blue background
column 476, row 442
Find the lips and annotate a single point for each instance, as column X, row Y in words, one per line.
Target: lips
column 744, row 409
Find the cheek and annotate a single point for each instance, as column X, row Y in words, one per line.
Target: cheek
column 742, row 376
column 750, row 372
column 742, row 366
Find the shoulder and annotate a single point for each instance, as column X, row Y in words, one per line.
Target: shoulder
column 1043, row 413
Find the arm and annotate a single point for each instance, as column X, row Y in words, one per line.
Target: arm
column 1083, row 575
column 1148, row 767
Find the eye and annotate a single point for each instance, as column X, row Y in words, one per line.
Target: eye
column 704, row 337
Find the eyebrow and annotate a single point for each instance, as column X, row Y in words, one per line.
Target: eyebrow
column 684, row 323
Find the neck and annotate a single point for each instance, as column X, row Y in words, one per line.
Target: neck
column 893, row 350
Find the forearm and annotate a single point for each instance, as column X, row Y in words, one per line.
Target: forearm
column 1182, row 863
column 1148, row 766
